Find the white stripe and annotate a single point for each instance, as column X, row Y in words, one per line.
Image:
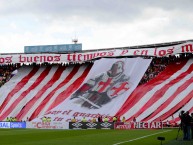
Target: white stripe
column 142, row 137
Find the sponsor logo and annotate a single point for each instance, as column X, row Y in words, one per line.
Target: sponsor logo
column 4, row 124
column 105, row 124
column 46, row 125
column 77, row 124
column 18, row 125
column 91, row 125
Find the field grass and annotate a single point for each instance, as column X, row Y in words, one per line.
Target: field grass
column 90, row 137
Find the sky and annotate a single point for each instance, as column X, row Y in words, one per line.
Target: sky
column 95, row 23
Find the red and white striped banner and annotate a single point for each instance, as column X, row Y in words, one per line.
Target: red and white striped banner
column 36, row 91
column 163, row 97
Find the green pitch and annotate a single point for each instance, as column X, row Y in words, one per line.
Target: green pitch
column 90, row 137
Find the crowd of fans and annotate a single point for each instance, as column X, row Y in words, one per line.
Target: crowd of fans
column 11, row 119
column 6, row 72
column 158, row 64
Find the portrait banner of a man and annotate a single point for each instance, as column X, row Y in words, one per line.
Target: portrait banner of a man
column 110, row 81
column 105, row 89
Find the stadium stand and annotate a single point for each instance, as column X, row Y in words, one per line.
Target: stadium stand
column 28, row 91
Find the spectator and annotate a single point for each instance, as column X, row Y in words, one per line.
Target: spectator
column 7, row 119
column 134, row 119
column 84, row 119
column 123, row 119
column 114, row 119
column 167, row 123
column 118, row 119
column 93, row 119
column 73, row 119
column 106, row 119
column 49, row 119
column 100, row 119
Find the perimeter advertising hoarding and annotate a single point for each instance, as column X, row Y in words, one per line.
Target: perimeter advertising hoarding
column 47, row 125
column 91, row 125
column 53, row 48
column 17, row 124
column 139, row 125
column 12, row 124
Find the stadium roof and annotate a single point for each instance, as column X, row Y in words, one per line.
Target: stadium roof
column 165, row 44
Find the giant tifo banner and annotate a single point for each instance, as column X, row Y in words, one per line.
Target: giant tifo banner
column 49, row 90
column 86, row 56
column 105, row 89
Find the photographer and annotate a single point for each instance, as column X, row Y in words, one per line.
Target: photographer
column 187, row 122
column 192, row 124
column 182, row 124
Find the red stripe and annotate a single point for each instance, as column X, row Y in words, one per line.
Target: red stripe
column 18, row 87
column 49, row 84
column 66, row 93
column 141, row 90
column 177, row 119
column 172, row 97
column 50, row 95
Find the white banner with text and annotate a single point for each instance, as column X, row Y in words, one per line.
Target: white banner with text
column 87, row 56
